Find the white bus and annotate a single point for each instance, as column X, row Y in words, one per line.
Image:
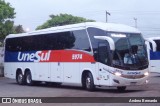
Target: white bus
column 153, row 48
column 91, row 54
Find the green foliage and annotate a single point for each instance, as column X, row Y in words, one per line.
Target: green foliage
column 6, row 15
column 62, row 19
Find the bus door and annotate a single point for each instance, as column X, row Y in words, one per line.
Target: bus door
column 56, row 69
column 103, row 62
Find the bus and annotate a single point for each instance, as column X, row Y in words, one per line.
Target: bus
column 91, row 54
column 153, row 48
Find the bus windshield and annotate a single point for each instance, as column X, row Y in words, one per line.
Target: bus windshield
column 130, row 51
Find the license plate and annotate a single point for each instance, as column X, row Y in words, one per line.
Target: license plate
column 133, row 83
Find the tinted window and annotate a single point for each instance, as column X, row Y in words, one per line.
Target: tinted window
column 81, row 40
column 54, row 41
column 158, row 44
column 14, row 44
column 95, row 32
column 59, row 41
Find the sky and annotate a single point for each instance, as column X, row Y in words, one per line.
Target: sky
column 32, row 13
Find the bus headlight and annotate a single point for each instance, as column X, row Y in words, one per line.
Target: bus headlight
column 117, row 73
column 146, row 73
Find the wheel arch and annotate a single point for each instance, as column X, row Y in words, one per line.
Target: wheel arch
column 84, row 74
column 85, row 71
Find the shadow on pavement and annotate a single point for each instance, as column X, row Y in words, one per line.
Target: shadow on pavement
column 98, row 89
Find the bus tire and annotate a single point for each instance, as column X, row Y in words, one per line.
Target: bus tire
column 28, row 79
column 89, row 82
column 121, row 88
column 20, row 78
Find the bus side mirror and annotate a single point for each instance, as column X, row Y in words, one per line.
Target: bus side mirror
column 95, row 55
column 110, row 41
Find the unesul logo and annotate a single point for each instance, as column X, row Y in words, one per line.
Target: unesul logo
column 134, row 73
column 35, row 57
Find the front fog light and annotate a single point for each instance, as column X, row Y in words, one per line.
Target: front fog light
column 146, row 73
column 117, row 73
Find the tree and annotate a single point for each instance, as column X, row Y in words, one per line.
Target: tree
column 6, row 15
column 62, row 19
column 18, row 29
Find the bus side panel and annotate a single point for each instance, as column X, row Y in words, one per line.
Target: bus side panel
column 71, row 72
column 8, row 70
column 154, row 58
column 56, row 72
column 155, row 66
column 154, row 61
column 41, row 72
column 103, row 74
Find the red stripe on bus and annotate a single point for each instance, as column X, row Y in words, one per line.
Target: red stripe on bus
column 68, row 56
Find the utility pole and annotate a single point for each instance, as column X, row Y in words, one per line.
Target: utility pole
column 135, row 19
column 107, row 13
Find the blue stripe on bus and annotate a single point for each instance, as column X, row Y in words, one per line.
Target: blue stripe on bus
column 13, row 56
column 154, row 55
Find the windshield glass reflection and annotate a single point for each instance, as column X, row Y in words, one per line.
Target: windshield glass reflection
column 130, row 52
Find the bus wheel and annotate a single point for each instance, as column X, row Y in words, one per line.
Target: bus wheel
column 121, row 88
column 29, row 80
column 20, row 78
column 89, row 82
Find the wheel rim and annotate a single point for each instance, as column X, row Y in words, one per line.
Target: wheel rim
column 20, row 78
column 28, row 79
column 88, row 82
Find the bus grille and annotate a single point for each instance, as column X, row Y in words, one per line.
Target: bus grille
column 133, row 76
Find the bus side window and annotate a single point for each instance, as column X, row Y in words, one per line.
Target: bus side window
column 81, row 40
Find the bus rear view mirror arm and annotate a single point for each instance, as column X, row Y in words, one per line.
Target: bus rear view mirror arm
column 110, row 41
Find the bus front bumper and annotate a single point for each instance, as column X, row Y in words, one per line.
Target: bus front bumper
column 128, row 80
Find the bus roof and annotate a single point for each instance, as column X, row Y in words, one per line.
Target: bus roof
column 104, row 26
